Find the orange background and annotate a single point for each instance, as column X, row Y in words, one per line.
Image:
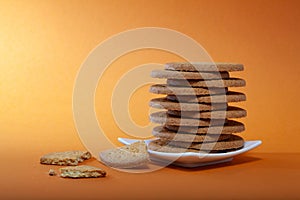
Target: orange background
column 43, row 44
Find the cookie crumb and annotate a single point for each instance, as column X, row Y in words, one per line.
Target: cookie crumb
column 52, row 172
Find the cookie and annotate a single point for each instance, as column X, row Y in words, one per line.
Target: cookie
column 82, row 171
column 233, row 143
column 229, row 97
column 128, row 156
column 161, row 146
column 168, row 74
column 65, row 158
column 204, row 66
column 230, row 126
column 231, row 112
column 164, row 89
column 163, row 118
column 229, row 82
column 164, row 133
column 164, row 103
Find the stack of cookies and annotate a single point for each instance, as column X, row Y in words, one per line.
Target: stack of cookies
column 198, row 115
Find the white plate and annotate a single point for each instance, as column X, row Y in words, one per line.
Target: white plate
column 191, row 159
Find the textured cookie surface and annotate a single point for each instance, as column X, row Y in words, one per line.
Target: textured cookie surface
column 163, row 118
column 164, row 133
column 65, row 158
column 228, row 97
column 233, row 143
column 128, row 156
column 164, row 103
column 161, row 146
column 231, row 112
column 230, row 126
column 204, row 66
column 168, row 74
column 164, row 89
column 82, row 171
column 230, row 82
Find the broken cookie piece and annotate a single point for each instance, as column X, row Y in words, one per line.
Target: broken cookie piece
column 82, row 171
column 129, row 156
column 65, row 158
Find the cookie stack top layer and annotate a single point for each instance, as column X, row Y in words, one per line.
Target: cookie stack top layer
column 196, row 101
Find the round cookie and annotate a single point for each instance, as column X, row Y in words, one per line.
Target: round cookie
column 168, row 74
column 230, row 126
column 160, row 146
column 163, row 118
column 229, row 97
column 233, row 143
column 164, row 133
column 164, row 89
column 231, row 112
column 204, row 66
column 164, row 103
column 229, row 82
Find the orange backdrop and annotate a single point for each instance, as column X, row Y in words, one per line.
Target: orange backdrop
column 43, row 43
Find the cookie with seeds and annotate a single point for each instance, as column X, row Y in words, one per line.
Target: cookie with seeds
column 231, row 112
column 169, row 74
column 204, row 66
column 228, row 82
column 65, row 158
column 164, row 133
column 229, row 97
column 82, row 171
column 164, row 103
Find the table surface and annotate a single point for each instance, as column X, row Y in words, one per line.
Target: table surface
column 248, row 176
